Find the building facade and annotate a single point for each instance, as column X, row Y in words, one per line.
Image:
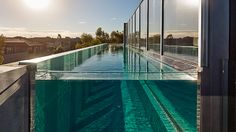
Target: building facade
column 193, row 36
column 20, row 49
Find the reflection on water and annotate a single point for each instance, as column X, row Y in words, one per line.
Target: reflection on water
column 112, row 62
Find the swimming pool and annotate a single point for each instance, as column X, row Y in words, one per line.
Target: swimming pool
column 109, row 88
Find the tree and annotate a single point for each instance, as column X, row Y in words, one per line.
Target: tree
column 102, row 36
column 2, row 45
column 113, row 36
column 170, row 40
column 170, row 36
column 155, row 38
column 59, row 49
column 59, row 36
column 96, row 41
column 78, row 45
column 106, row 37
column 99, row 32
column 116, row 37
column 86, row 38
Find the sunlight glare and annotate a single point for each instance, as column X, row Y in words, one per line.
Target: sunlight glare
column 194, row 3
column 37, row 4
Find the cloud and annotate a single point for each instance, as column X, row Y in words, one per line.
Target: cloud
column 82, row 22
column 114, row 18
column 21, row 31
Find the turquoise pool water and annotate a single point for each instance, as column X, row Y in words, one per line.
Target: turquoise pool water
column 111, row 89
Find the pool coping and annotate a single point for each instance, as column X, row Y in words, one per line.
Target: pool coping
column 41, row 59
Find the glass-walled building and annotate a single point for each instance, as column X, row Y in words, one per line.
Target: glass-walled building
column 167, row 28
column 199, row 36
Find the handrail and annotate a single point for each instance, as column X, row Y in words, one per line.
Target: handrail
column 55, row 71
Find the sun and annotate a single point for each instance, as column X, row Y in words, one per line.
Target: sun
column 37, row 4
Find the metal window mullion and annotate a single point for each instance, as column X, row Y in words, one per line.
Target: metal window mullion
column 140, row 8
column 162, row 29
column 135, row 44
column 147, row 25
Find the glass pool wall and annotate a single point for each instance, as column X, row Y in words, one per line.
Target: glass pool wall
column 112, row 89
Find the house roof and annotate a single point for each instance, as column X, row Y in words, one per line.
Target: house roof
column 22, row 42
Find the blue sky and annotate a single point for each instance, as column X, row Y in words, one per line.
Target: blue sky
column 68, row 17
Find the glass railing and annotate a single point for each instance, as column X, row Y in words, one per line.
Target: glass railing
column 188, row 53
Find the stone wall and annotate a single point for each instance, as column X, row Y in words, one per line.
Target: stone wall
column 14, row 98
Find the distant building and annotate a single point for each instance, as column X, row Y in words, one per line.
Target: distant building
column 52, row 43
column 19, row 49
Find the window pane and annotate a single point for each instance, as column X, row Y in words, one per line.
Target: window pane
column 130, row 31
column 133, row 30
column 137, row 28
column 154, row 25
column 143, row 36
column 181, row 29
column 129, row 34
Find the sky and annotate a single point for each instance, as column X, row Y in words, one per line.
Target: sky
column 68, row 17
